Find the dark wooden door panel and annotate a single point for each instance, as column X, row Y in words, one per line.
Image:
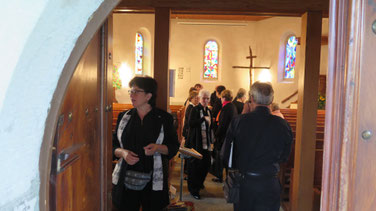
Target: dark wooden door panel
column 349, row 171
column 76, row 173
column 364, row 182
column 108, row 98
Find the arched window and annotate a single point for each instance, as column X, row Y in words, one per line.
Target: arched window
column 290, row 55
column 139, row 52
column 211, row 60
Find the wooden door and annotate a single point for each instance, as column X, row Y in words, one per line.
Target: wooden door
column 75, row 182
column 362, row 176
column 349, row 180
column 107, row 54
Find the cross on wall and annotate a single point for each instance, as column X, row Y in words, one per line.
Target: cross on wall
column 250, row 67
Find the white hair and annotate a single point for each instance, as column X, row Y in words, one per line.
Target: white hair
column 204, row 92
column 262, row 93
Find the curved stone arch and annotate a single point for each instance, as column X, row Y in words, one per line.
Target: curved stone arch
column 93, row 24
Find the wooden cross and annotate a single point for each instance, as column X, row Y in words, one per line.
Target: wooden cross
column 251, row 67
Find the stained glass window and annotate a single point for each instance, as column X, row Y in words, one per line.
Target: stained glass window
column 139, row 53
column 290, row 56
column 211, row 60
column 116, row 81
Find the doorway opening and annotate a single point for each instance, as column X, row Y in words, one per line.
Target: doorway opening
column 106, row 123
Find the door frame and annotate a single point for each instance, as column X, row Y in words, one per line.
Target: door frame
column 347, row 18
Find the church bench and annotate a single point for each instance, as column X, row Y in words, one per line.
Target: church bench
column 319, row 128
column 286, row 196
column 293, row 119
column 176, row 111
column 287, row 169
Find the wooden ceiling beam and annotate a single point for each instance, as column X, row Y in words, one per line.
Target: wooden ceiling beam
column 324, row 40
column 219, row 17
column 220, row 7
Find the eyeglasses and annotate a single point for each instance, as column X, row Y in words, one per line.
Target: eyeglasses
column 135, row 91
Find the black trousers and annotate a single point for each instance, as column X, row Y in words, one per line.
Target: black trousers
column 217, row 168
column 148, row 199
column 197, row 171
column 259, row 194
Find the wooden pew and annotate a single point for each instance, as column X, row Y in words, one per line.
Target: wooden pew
column 288, row 168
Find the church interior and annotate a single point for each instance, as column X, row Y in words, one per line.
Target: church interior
column 73, row 62
column 234, row 34
column 267, row 36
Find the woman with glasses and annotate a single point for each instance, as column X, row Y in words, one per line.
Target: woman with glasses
column 200, row 138
column 144, row 141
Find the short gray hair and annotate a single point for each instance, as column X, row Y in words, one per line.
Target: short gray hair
column 262, row 93
column 203, row 92
column 275, row 106
column 241, row 93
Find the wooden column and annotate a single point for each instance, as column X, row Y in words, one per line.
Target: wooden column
column 161, row 47
column 302, row 196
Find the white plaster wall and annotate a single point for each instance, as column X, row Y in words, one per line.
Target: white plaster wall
column 187, row 44
column 15, row 35
column 37, row 39
column 187, row 51
column 125, row 28
column 271, row 34
column 324, row 48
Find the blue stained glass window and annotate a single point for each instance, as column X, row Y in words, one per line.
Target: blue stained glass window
column 290, row 56
column 211, row 60
column 139, row 53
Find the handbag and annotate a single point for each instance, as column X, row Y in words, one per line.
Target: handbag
column 232, row 185
column 216, row 167
column 136, row 180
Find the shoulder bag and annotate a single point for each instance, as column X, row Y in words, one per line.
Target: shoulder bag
column 231, row 187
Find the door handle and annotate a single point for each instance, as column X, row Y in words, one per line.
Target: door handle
column 108, row 108
column 68, row 156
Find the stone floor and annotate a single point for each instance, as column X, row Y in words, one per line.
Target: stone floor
column 212, row 198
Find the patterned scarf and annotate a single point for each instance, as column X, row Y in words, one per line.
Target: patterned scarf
column 205, row 140
column 157, row 168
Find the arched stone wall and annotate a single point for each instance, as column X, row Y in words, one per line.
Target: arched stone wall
column 37, row 82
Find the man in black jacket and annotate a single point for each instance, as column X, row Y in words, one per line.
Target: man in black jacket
column 261, row 141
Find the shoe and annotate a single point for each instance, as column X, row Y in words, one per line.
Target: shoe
column 196, row 196
column 217, row 180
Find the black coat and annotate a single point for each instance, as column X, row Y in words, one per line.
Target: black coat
column 263, row 155
column 194, row 135
column 239, row 106
column 217, row 106
column 186, row 120
column 228, row 112
column 156, row 117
